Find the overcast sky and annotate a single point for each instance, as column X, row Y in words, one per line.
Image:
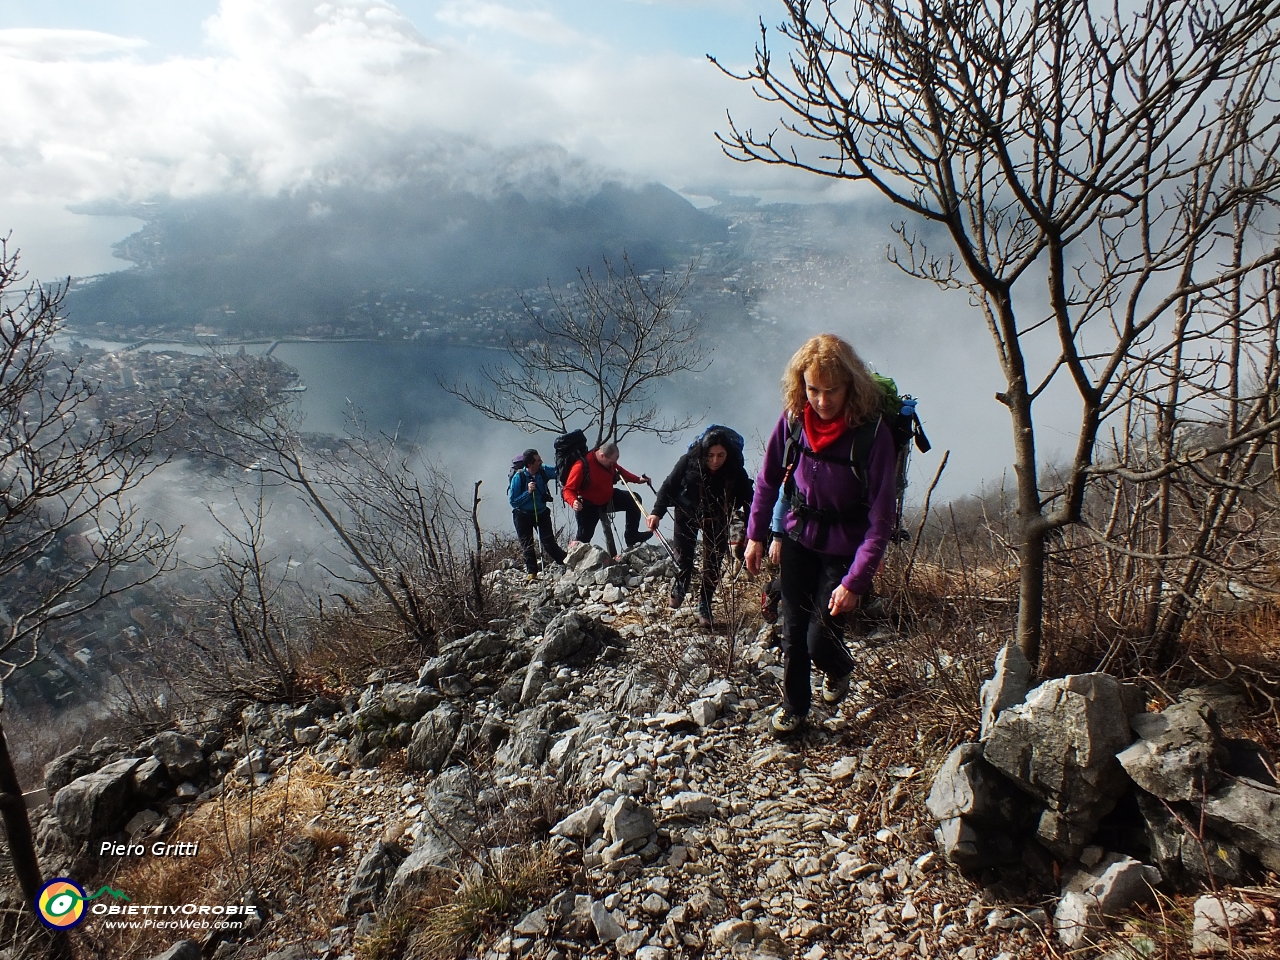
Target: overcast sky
column 130, row 99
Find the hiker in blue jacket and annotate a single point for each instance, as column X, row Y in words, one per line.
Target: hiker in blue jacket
column 530, row 499
column 706, row 487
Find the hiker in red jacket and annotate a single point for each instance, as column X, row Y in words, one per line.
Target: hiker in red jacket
column 589, row 490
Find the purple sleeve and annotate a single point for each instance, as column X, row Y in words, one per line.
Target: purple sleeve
column 882, row 496
column 768, row 480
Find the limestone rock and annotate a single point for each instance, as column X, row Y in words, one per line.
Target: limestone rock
column 435, row 668
column 533, row 924
column 182, row 950
column 141, row 821
column 1007, row 688
column 376, row 869
column 704, row 712
column 534, row 680
column 447, row 831
column 1178, row 754
column 180, row 754
column 485, row 646
column 528, row 743
column 69, row 766
column 406, row 703
column 844, row 769
column 691, row 804
column 627, row 821
column 149, row 778
column 1060, row 745
column 96, row 804
column 433, row 738
column 581, row 824
column 607, row 928
column 572, row 637
column 1216, row 919
column 1248, row 812
column 586, row 557
column 1092, row 896
column 966, row 786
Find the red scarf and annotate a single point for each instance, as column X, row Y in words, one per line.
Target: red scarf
column 822, row 433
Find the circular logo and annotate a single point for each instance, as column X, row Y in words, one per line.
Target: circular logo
column 60, row 903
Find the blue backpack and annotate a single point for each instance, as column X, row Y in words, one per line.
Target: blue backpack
column 731, row 437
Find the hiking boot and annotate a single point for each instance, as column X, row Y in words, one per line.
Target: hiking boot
column 785, row 723
column 834, row 689
column 704, row 614
column 677, row 596
column 530, row 577
column 633, row 539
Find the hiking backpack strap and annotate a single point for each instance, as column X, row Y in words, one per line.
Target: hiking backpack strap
column 791, row 458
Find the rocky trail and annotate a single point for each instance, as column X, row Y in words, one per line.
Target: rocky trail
column 608, row 750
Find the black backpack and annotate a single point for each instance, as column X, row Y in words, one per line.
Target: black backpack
column 570, row 448
column 517, row 465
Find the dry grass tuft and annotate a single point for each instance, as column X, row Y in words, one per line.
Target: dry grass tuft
column 388, row 939
column 448, row 922
column 325, row 838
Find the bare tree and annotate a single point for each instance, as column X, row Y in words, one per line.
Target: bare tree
column 599, row 352
column 1106, row 181
column 248, row 641
column 63, row 472
column 406, row 518
column 407, row 535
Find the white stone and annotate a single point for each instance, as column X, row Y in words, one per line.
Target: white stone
column 607, row 928
column 688, row 803
column 581, row 824
column 843, row 769
column 704, row 712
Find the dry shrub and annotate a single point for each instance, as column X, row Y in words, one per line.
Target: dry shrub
column 950, row 621
column 348, row 645
column 1162, row 929
column 267, row 854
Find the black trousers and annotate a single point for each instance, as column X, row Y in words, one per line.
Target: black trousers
column 524, row 530
column 812, row 638
column 715, row 544
column 590, row 514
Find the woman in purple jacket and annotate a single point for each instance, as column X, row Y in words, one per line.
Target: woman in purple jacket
column 832, row 457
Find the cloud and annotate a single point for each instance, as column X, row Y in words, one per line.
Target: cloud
column 731, row 6
column 536, row 25
column 291, row 93
column 55, row 45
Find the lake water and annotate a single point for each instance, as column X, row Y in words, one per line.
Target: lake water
column 396, row 387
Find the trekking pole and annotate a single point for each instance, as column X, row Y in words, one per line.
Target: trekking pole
column 540, row 553
column 661, row 539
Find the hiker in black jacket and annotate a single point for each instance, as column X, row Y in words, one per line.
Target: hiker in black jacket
column 705, row 487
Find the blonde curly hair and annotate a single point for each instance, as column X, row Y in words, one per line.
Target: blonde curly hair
column 837, row 362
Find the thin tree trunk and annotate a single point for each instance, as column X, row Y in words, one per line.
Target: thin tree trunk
column 1031, row 527
column 17, row 826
